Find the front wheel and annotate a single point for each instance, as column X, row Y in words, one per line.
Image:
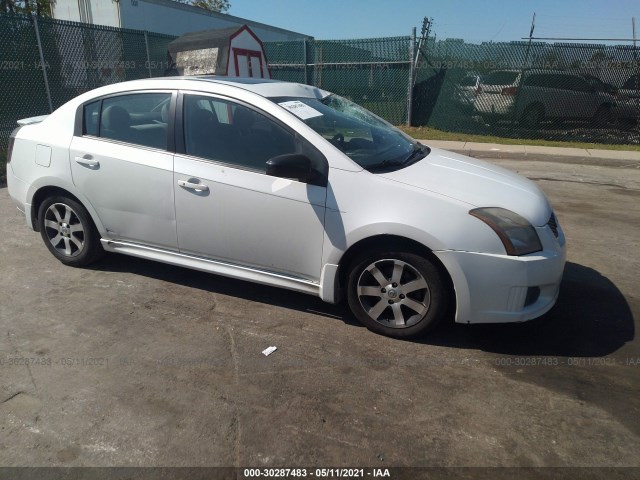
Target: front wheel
column 68, row 231
column 397, row 294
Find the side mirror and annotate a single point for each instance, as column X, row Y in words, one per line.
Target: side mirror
column 290, row 165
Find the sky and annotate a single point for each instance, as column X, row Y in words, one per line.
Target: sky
column 471, row 20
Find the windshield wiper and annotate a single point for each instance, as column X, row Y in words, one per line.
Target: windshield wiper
column 387, row 164
column 418, row 153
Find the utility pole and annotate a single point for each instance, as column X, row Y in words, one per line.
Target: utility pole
column 635, row 51
column 533, row 27
column 424, row 37
column 412, row 51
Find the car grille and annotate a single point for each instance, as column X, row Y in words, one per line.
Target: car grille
column 553, row 224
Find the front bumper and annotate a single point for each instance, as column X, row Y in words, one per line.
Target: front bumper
column 501, row 288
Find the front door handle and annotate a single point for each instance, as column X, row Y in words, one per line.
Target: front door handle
column 198, row 187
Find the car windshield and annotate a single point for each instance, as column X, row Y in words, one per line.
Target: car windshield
column 500, row 78
column 368, row 140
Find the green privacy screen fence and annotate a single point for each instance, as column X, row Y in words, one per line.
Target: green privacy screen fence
column 555, row 91
column 372, row 72
column 46, row 62
column 560, row 91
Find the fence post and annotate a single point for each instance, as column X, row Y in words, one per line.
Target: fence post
column 412, row 48
column 146, row 45
column 44, row 65
column 306, row 68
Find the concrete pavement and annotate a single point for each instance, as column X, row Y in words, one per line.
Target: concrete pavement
column 136, row 363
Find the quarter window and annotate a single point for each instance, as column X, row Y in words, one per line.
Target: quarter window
column 219, row 130
column 141, row 119
column 91, row 113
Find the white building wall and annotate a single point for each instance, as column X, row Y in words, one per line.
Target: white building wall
column 161, row 16
column 166, row 16
column 66, row 10
column 98, row 12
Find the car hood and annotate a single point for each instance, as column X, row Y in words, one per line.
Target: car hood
column 478, row 183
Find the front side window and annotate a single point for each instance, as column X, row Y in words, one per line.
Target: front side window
column 364, row 137
column 140, row 118
column 576, row 84
column 231, row 133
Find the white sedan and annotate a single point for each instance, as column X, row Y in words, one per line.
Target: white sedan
column 292, row 186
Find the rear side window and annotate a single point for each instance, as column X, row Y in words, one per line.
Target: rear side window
column 577, row 84
column 91, row 113
column 139, row 119
column 537, row 80
column 501, row 78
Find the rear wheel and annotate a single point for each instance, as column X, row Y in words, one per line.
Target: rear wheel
column 397, row 294
column 68, row 231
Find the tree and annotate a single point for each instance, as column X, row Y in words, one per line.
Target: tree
column 211, row 5
column 39, row 7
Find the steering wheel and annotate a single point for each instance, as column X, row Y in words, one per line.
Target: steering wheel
column 338, row 140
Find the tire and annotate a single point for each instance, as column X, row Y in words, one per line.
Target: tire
column 532, row 116
column 68, row 231
column 603, row 116
column 392, row 310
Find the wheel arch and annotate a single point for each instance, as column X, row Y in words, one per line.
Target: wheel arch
column 49, row 190
column 388, row 241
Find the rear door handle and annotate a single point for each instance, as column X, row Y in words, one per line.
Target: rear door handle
column 198, row 187
column 88, row 162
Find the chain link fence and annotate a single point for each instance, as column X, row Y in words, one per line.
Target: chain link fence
column 588, row 93
column 45, row 62
column 373, row 72
column 561, row 91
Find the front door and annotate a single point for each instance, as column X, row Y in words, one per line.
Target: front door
column 227, row 208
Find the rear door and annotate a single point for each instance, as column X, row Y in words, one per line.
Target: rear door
column 584, row 99
column 121, row 161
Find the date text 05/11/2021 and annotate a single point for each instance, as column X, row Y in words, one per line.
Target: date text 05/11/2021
column 317, row 472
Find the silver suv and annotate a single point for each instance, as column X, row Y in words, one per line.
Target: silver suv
column 531, row 96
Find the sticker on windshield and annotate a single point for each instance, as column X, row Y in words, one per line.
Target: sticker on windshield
column 301, row 110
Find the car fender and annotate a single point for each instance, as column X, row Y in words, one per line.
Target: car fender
column 47, row 181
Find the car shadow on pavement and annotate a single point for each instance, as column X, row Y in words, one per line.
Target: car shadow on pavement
column 253, row 292
column 590, row 319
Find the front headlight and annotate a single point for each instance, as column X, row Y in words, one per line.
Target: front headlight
column 517, row 234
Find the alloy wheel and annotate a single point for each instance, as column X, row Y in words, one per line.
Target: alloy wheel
column 393, row 293
column 64, row 230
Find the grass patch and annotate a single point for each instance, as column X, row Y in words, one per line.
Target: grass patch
column 427, row 133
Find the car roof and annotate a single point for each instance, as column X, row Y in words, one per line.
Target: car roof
column 261, row 86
